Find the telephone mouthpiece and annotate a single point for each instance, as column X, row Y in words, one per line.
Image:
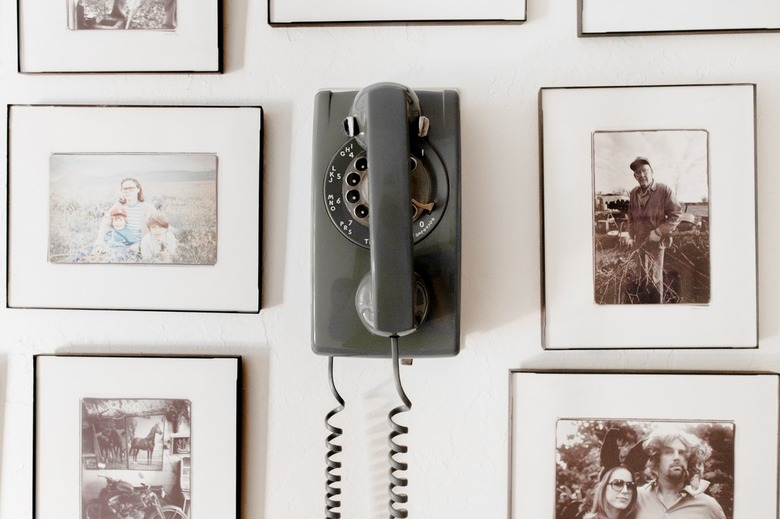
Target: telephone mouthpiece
column 364, row 304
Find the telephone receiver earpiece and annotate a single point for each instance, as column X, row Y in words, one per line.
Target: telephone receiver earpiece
column 381, row 119
column 356, row 123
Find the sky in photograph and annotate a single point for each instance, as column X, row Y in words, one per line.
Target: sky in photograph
column 98, row 167
column 679, row 159
column 88, row 174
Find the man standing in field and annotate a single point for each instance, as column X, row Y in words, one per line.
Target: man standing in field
column 653, row 213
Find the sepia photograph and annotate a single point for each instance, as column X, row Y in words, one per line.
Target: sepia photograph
column 651, row 217
column 133, row 208
column 114, row 437
column 643, row 445
column 627, row 469
column 122, row 14
column 128, row 36
column 131, row 467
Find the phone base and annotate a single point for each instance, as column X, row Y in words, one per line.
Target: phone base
column 339, row 263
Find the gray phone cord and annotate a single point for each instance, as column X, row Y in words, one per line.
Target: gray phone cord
column 332, row 501
column 332, row 492
column 397, row 482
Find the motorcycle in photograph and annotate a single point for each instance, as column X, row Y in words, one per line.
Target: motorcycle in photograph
column 121, row 500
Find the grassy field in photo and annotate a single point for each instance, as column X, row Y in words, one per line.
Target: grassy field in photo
column 191, row 208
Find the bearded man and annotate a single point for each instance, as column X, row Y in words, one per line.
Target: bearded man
column 676, row 464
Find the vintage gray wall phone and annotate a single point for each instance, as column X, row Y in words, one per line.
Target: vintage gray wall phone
column 386, row 238
column 386, row 165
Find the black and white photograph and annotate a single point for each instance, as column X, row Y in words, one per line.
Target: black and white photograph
column 133, row 208
column 119, row 36
column 627, row 469
column 130, row 468
column 651, row 217
column 649, row 235
column 643, row 445
column 136, row 437
column 632, row 17
column 122, row 14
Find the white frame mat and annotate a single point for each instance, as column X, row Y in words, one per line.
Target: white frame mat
column 539, row 399
column 568, row 118
column 626, row 17
column 46, row 44
column 62, row 381
column 299, row 12
column 234, row 134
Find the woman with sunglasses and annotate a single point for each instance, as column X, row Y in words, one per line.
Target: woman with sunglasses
column 614, row 496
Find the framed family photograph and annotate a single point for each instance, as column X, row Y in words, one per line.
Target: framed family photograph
column 136, row 437
column 643, row 193
column 133, row 198
column 627, row 17
column 629, row 440
column 344, row 12
column 120, row 36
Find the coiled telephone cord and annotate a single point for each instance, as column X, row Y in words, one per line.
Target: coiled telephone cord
column 332, row 492
column 397, row 482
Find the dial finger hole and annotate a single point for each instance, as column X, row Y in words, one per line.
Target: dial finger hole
column 353, row 196
column 353, row 179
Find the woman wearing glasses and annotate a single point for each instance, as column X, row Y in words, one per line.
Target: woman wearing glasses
column 138, row 210
column 614, row 496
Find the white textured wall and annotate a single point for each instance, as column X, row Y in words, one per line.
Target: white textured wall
column 459, row 422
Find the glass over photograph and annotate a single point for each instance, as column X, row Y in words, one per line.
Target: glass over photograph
column 133, row 465
column 651, row 217
column 634, row 469
column 122, row 14
column 133, row 208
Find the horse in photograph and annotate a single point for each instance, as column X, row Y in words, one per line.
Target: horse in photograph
column 106, row 452
column 115, row 443
column 145, row 444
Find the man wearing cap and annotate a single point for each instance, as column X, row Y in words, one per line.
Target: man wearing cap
column 653, row 213
column 676, row 464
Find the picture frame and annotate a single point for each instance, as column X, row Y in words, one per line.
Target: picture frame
column 557, row 442
column 82, row 401
column 625, row 18
column 603, row 251
column 283, row 13
column 120, row 36
column 193, row 173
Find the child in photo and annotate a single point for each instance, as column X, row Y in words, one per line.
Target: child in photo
column 119, row 240
column 117, row 245
column 159, row 244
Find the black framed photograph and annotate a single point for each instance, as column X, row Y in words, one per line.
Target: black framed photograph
column 120, row 36
column 642, row 194
column 133, row 199
column 121, row 436
column 627, row 17
column 615, row 452
column 345, row 12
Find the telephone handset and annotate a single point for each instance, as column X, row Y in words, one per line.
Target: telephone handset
column 386, row 221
